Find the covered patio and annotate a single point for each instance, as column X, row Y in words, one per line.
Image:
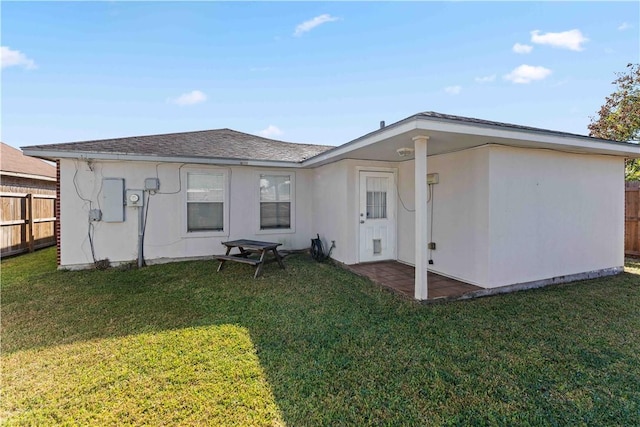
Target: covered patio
column 490, row 203
column 400, row 278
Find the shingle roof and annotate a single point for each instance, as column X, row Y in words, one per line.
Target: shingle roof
column 239, row 146
column 471, row 120
column 217, row 143
column 12, row 160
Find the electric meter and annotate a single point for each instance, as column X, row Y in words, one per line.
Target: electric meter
column 135, row 198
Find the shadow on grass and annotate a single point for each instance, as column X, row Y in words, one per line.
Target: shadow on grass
column 338, row 350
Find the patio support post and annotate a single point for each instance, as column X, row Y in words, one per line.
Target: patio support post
column 421, row 213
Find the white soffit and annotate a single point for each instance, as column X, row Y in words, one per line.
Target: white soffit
column 448, row 136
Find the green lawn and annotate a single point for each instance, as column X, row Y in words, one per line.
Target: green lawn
column 311, row 345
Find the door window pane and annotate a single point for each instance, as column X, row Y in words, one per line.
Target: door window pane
column 376, row 198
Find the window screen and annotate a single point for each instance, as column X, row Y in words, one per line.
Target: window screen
column 275, row 201
column 205, row 202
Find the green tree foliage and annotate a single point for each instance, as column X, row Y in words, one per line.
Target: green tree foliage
column 619, row 117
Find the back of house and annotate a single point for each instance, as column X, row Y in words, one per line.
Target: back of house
column 487, row 203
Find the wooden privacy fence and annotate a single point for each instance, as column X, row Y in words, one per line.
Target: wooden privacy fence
column 632, row 219
column 27, row 222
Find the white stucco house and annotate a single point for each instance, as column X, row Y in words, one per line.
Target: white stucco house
column 503, row 204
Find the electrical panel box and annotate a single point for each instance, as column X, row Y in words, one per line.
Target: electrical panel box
column 135, row 198
column 152, row 184
column 433, row 178
column 112, row 200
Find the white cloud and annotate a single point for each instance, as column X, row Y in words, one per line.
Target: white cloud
column 485, row 79
column 527, row 73
column 189, row 98
column 270, row 131
column 15, row 58
column 572, row 39
column 624, row 26
column 313, row 23
column 453, row 90
column 522, row 48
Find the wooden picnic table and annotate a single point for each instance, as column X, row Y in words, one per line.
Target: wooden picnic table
column 248, row 247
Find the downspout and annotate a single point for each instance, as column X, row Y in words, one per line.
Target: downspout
column 140, row 234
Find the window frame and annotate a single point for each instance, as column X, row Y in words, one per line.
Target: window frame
column 292, row 202
column 225, row 202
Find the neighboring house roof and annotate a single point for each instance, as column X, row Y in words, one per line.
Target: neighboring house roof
column 217, row 143
column 14, row 163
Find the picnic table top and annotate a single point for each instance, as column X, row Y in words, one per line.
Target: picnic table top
column 251, row 244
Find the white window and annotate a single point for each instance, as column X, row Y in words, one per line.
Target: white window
column 205, row 201
column 275, row 202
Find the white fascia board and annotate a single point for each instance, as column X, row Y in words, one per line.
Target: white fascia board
column 385, row 133
column 613, row 148
column 28, row 175
column 54, row 154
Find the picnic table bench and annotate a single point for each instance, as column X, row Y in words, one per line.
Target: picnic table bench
column 248, row 247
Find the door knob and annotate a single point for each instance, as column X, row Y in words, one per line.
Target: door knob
column 362, row 221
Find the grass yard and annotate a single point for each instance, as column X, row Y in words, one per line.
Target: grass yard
column 311, row 345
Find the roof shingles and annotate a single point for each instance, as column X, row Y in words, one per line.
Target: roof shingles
column 217, row 143
column 490, row 123
column 233, row 145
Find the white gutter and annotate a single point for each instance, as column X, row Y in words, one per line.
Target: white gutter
column 28, row 175
column 87, row 155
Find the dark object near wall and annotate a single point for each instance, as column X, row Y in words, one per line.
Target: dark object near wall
column 318, row 251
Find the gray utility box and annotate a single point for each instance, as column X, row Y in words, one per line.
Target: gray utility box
column 95, row 215
column 152, row 184
column 112, row 199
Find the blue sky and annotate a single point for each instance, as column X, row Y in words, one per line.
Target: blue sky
column 320, row 73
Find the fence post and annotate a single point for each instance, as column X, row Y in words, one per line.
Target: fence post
column 29, row 220
column 23, row 227
column 637, row 213
column 632, row 219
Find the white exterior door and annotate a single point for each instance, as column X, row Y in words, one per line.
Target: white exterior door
column 377, row 216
